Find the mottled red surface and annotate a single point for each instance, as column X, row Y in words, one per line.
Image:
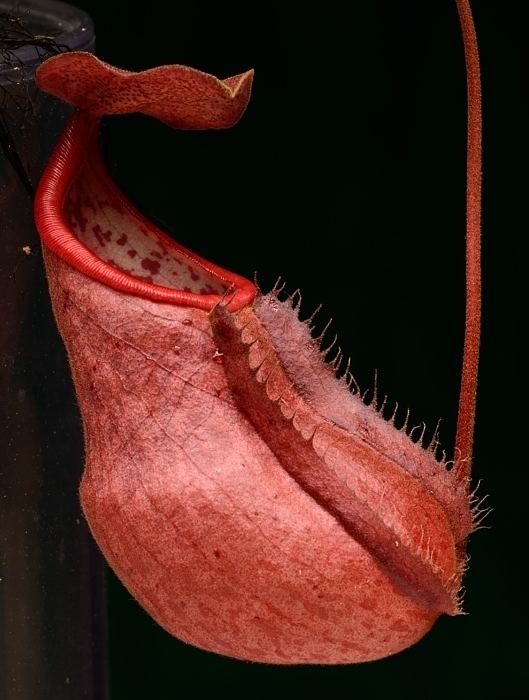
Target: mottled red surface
column 182, row 97
column 251, row 503
column 261, row 532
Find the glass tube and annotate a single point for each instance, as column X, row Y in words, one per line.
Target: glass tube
column 52, row 610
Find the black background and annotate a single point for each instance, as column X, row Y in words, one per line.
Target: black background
column 346, row 177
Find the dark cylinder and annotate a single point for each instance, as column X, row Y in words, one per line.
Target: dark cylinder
column 52, row 604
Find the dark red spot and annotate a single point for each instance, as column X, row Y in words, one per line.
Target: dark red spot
column 122, row 239
column 132, row 253
column 193, row 274
column 97, row 233
column 216, row 553
column 107, row 235
column 156, row 254
column 151, row 265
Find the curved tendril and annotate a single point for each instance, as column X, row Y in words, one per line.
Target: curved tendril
column 469, row 374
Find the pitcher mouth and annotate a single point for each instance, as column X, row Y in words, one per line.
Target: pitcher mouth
column 85, row 219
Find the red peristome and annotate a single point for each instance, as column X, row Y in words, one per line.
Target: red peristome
column 74, row 205
column 182, row 97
